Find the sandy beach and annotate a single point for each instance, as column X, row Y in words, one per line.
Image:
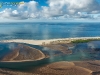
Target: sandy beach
column 40, row 42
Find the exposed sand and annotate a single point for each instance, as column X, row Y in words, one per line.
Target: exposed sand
column 11, row 56
column 42, row 57
column 33, row 42
column 23, row 53
column 63, row 68
column 40, row 42
column 20, row 60
column 91, row 65
column 13, row 72
column 60, row 47
column 58, row 68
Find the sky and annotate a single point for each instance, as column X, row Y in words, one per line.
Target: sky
column 50, row 11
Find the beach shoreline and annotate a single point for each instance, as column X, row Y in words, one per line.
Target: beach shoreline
column 41, row 42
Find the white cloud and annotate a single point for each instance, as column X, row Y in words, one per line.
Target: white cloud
column 6, row 13
column 82, row 5
column 24, row 11
column 30, row 6
column 83, row 15
column 56, row 9
column 71, row 7
column 15, row 12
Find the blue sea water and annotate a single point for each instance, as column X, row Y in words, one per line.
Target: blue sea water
column 81, row 51
column 48, row 30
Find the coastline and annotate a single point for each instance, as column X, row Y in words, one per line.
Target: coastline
column 41, row 42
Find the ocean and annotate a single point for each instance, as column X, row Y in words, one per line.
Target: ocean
column 42, row 31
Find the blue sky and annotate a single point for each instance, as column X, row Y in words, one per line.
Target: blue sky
column 51, row 10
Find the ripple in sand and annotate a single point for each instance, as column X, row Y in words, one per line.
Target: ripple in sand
column 64, row 68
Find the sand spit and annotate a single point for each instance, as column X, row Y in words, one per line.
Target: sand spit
column 42, row 42
column 22, row 53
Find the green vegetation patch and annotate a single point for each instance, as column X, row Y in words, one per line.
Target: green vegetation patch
column 84, row 41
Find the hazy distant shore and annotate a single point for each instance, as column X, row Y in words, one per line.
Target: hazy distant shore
column 40, row 42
